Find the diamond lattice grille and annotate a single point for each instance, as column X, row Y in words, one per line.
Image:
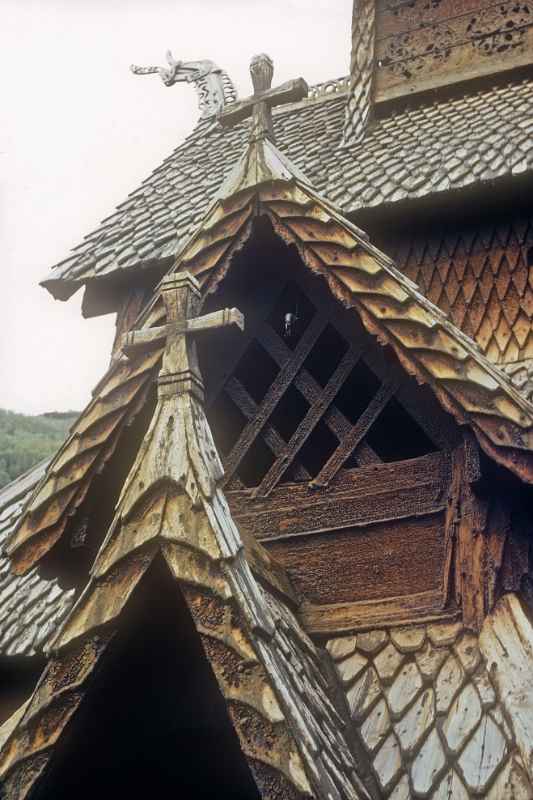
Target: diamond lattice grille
column 300, row 405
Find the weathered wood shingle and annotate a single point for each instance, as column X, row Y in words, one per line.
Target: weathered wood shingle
column 414, row 153
column 31, row 608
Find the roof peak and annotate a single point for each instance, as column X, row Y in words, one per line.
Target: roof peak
column 259, row 105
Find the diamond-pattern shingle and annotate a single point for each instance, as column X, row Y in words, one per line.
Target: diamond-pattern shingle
column 419, row 749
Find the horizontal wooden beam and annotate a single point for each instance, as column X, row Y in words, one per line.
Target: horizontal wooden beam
column 288, row 92
column 327, row 620
column 362, row 496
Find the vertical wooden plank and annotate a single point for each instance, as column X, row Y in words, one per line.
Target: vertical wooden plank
column 482, row 528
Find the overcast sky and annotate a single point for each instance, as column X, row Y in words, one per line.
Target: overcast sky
column 78, row 132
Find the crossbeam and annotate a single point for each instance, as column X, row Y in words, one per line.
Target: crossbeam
column 259, row 105
column 247, row 405
column 280, row 384
column 338, row 424
column 156, row 335
column 355, row 435
column 180, row 373
column 308, row 423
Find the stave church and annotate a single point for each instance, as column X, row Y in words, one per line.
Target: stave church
column 284, row 552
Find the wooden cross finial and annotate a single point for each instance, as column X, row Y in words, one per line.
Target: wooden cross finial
column 259, row 105
column 180, row 373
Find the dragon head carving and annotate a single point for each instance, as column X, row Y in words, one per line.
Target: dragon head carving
column 212, row 84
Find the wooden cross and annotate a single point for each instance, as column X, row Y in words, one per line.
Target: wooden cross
column 180, row 372
column 259, row 105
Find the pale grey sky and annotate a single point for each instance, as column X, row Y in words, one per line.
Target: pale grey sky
column 78, row 132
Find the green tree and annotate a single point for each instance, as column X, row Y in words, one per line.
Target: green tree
column 26, row 440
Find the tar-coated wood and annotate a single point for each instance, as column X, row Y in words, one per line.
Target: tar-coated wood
column 379, row 561
column 357, row 497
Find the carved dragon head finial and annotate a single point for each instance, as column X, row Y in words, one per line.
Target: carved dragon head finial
column 213, row 85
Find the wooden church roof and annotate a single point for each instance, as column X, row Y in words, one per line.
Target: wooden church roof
column 355, row 157
column 31, row 607
column 302, row 741
column 307, row 726
column 446, row 145
column 390, row 307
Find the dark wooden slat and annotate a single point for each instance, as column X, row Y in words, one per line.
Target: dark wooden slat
column 227, row 366
column 249, row 408
column 338, row 424
column 276, row 390
column 385, row 559
column 438, row 426
column 308, row 424
column 354, row 437
column 364, row 455
column 355, row 497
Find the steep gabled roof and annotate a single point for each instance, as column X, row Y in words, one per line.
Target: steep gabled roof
column 31, row 608
column 428, row 345
column 269, row 672
column 411, row 154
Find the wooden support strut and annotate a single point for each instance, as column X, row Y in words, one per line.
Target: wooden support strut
column 355, row 436
column 338, row 424
column 308, row 424
column 237, row 392
column 278, row 387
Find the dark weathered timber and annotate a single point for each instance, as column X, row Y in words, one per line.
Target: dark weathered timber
column 311, row 390
column 309, row 422
column 436, row 424
column 355, row 497
column 355, row 436
column 390, row 559
column 220, row 370
column 282, row 381
column 423, row 46
column 249, row 408
column 482, row 527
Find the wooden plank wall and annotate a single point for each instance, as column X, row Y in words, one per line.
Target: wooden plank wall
column 423, row 45
column 377, row 532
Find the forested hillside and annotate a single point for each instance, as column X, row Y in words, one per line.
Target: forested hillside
column 25, row 440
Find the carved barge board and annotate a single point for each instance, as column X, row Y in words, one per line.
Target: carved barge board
column 421, row 46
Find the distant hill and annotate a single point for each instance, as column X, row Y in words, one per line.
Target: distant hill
column 26, row 440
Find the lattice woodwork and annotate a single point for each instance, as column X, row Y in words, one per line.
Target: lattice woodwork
column 301, row 407
column 482, row 277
